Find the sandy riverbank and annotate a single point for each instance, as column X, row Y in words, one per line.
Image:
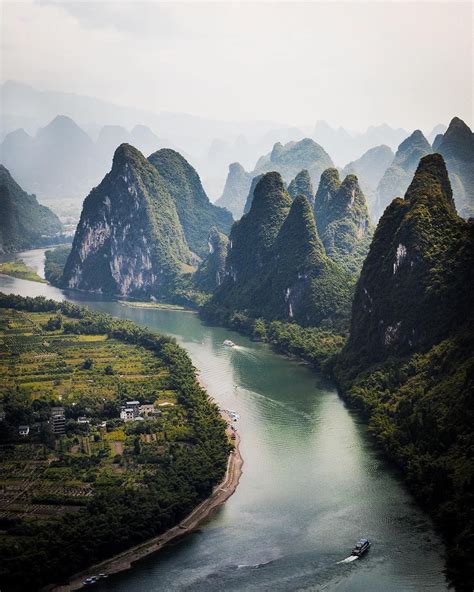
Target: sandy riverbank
column 125, row 560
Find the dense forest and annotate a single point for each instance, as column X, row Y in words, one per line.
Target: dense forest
column 103, row 484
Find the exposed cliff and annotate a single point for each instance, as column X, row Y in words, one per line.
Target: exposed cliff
column 211, row 272
column 129, row 239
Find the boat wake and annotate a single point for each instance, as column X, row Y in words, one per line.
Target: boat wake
column 349, row 559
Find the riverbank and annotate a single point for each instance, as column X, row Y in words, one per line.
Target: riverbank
column 156, row 305
column 127, row 559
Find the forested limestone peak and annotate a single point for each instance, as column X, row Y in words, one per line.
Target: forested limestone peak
column 196, row 213
column 129, row 239
column 302, row 184
column 412, row 288
column 342, row 219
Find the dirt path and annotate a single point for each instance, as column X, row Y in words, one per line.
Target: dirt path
column 125, row 560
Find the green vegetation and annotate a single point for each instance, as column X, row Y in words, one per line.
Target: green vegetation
column 196, row 213
column 55, row 261
column 301, row 185
column 409, row 361
column 211, row 272
column 277, row 268
column 19, row 269
column 316, row 346
column 70, row 500
column 138, row 246
column 24, row 223
column 343, row 221
column 291, row 158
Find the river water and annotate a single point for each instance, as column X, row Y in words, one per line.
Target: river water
column 312, row 483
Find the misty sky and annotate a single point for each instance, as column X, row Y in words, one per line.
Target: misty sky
column 353, row 64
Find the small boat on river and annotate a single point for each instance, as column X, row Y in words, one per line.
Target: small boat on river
column 361, row 547
column 228, row 343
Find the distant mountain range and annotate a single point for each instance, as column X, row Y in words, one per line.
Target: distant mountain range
column 62, row 161
column 210, row 145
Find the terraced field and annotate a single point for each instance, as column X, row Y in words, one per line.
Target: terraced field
column 43, row 365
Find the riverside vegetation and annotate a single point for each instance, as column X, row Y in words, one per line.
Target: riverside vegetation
column 72, row 498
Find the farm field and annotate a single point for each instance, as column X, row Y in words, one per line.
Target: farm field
column 50, row 361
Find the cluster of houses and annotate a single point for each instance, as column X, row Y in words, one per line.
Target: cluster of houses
column 134, row 411
column 57, row 421
column 131, row 411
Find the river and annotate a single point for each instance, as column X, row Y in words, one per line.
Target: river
column 313, row 482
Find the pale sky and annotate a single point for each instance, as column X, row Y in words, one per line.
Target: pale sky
column 354, row 64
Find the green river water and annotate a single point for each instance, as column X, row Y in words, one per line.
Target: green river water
column 313, row 482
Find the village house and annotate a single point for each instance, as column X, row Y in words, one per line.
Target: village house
column 58, row 421
column 23, row 430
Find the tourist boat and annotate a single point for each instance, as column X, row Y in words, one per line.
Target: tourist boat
column 229, row 343
column 362, row 546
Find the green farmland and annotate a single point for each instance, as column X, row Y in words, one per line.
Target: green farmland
column 106, row 483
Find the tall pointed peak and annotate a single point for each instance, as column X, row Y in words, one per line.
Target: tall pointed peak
column 298, row 236
column 276, row 151
column 459, row 124
column 415, row 139
column 236, row 167
column 431, row 180
column 302, row 184
column 328, row 184
column 270, row 191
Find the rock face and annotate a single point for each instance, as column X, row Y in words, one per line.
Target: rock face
column 236, row 189
column 196, row 213
column 301, row 185
column 129, row 240
column 24, row 223
column 291, row 158
column 211, row 272
column 369, row 169
column 342, row 220
column 457, row 148
column 276, row 266
column 397, row 177
column 414, row 285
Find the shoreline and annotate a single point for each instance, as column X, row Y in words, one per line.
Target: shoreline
column 126, row 560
